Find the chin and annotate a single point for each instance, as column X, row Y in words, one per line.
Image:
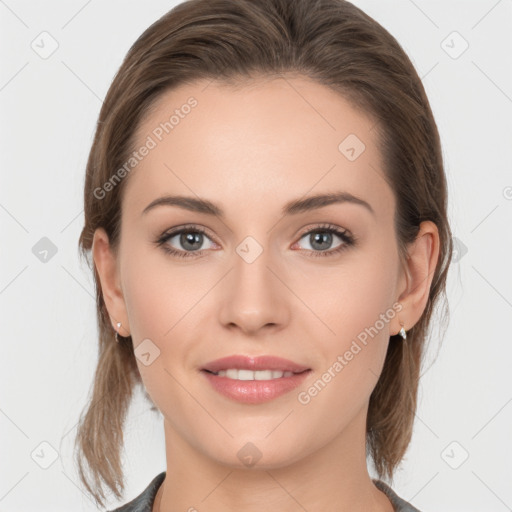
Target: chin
column 262, row 454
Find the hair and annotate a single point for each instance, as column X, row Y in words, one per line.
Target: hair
column 339, row 46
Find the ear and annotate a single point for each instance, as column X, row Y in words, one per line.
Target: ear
column 106, row 265
column 418, row 273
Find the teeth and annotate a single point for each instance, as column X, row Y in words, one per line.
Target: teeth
column 233, row 373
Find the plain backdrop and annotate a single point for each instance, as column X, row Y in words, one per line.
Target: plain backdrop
column 460, row 458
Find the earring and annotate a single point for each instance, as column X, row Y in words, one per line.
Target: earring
column 117, row 336
column 402, row 332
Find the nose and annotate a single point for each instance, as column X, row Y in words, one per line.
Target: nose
column 253, row 296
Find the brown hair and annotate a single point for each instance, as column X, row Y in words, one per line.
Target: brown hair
column 339, row 46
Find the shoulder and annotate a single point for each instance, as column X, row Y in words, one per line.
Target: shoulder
column 144, row 501
column 399, row 504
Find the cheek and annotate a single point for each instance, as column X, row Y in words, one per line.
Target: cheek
column 351, row 296
column 157, row 292
column 358, row 310
column 148, row 299
column 156, row 310
column 163, row 301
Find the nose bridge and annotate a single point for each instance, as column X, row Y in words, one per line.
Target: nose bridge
column 252, row 295
column 251, row 274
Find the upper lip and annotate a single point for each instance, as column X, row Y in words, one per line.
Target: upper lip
column 254, row 363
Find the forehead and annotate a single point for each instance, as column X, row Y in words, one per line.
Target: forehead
column 277, row 139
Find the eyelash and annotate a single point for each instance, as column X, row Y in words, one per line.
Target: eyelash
column 349, row 240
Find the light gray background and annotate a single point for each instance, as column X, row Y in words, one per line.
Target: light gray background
column 49, row 108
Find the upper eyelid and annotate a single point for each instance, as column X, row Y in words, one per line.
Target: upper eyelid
column 326, row 227
column 172, row 232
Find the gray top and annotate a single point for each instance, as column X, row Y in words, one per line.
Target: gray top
column 144, row 501
column 398, row 503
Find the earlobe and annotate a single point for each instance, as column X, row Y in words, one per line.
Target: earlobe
column 420, row 268
column 105, row 262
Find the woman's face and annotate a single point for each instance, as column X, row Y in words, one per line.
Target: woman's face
column 260, row 278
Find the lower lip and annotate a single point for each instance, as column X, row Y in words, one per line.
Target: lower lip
column 255, row 391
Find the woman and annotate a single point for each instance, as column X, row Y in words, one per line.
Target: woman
column 266, row 210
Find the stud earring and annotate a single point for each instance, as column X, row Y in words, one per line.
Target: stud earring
column 402, row 332
column 117, row 336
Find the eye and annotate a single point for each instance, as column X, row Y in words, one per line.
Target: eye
column 321, row 238
column 191, row 240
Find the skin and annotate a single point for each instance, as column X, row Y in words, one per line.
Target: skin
column 251, row 150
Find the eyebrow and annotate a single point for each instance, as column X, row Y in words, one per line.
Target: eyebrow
column 294, row 207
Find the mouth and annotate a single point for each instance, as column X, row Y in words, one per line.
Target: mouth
column 254, row 380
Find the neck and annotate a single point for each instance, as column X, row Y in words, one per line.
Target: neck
column 333, row 478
